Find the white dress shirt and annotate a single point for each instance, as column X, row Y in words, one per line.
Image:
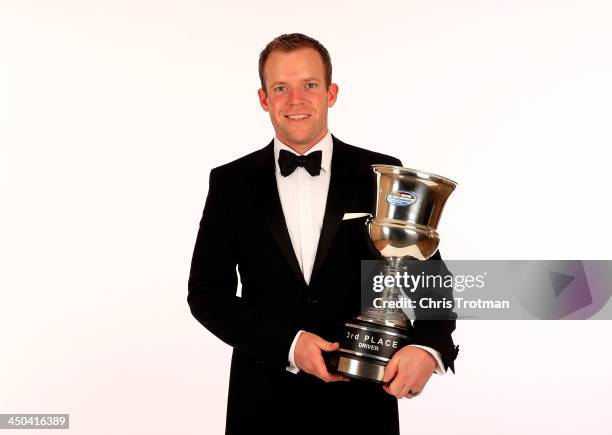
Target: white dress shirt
column 303, row 198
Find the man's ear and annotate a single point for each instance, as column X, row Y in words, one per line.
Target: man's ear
column 263, row 99
column 332, row 94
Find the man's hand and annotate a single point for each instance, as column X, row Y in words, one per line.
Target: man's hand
column 410, row 368
column 308, row 356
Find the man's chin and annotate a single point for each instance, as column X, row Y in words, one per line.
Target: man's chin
column 298, row 141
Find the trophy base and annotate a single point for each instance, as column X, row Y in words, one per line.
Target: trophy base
column 357, row 367
column 365, row 349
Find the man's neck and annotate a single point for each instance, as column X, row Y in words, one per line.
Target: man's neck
column 302, row 149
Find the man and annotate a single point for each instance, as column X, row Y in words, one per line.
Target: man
column 277, row 214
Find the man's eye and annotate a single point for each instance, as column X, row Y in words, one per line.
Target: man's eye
column 280, row 89
column 311, row 85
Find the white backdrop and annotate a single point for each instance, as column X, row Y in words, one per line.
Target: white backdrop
column 113, row 113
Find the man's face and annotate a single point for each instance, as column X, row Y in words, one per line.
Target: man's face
column 296, row 97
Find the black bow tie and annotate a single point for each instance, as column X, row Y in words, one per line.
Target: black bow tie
column 288, row 162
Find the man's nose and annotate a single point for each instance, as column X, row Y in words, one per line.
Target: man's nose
column 296, row 96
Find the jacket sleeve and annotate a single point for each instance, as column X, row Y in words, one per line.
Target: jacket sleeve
column 212, row 288
column 436, row 332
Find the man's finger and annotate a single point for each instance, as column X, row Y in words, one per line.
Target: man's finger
column 326, row 345
column 331, row 377
column 404, row 392
column 320, row 367
column 411, row 394
column 418, row 388
column 390, row 390
column 323, row 373
column 394, row 388
column 390, row 370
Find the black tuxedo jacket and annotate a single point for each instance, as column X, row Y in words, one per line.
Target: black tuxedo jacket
column 243, row 225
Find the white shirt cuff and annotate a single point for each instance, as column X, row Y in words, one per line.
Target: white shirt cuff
column 440, row 366
column 292, row 368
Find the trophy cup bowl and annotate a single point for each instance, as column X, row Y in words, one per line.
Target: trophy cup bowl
column 409, row 204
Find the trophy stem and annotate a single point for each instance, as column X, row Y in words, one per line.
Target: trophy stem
column 394, row 317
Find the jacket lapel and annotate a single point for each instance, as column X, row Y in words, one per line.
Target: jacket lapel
column 337, row 198
column 266, row 194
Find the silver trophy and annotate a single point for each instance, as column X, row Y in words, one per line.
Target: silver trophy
column 409, row 204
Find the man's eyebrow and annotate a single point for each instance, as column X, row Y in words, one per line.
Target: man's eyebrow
column 309, row 79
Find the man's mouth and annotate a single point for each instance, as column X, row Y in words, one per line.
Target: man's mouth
column 297, row 117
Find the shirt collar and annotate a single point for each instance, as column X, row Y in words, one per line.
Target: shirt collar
column 325, row 145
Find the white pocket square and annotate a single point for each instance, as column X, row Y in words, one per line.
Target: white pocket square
column 348, row 216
